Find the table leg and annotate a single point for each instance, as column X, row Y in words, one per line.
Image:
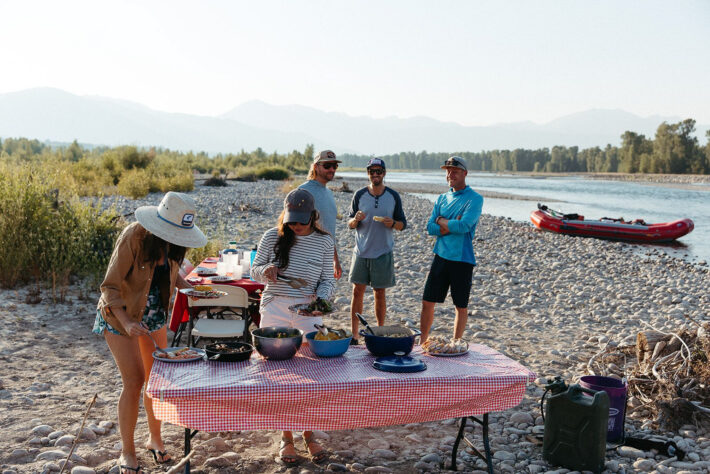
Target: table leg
column 486, row 444
column 190, row 322
column 189, row 434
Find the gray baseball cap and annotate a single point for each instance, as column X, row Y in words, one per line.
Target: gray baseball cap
column 455, row 162
column 299, row 205
column 325, row 156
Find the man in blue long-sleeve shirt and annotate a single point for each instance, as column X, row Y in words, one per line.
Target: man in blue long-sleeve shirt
column 453, row 221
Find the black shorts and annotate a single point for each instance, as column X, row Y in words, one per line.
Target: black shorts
column 448, row 273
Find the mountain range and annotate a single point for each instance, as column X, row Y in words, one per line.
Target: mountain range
column 57, row 116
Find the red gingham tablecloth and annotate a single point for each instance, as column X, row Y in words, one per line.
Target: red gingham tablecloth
column 309, row 392
column 180, row 313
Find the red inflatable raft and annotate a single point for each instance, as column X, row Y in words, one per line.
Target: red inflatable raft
column 607, row 228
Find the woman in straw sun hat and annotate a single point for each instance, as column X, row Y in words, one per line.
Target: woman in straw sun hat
column 134, row 298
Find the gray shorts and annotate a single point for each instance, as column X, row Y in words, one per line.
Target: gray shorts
column 376, row 272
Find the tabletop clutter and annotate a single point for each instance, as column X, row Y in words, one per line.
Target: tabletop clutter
column 234, row 261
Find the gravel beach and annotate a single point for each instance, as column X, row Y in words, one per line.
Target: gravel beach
column 548, row 301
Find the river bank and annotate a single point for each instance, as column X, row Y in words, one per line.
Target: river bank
column 547, row 301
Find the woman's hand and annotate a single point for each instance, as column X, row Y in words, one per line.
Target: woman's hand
column 134, row 328
column 271, row 273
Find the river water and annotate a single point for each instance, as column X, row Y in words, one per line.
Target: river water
column 590, row 197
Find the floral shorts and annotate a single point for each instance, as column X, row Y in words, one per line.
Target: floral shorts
column 154, row 316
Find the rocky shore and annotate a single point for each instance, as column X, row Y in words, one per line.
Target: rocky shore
column 547, row 301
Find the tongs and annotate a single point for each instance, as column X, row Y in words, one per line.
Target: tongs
column 293, row 282
column 325, row 330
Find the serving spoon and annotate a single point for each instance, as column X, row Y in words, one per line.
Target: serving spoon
column 364, row 322
column 163, row 351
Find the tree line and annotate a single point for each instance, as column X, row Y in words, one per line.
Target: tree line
column 674, row 150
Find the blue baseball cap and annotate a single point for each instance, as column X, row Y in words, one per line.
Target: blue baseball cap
column 376, row 162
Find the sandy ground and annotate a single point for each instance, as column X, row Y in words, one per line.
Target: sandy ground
column 547, row 301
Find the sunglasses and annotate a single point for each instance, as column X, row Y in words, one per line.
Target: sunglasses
column 376, row 171
column 328, row 166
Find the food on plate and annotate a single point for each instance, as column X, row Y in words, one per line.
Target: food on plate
column 378, row 218
column 184, row 353
column 202, row 288
column 319, row 306
column 226, row 349
column 444, row 345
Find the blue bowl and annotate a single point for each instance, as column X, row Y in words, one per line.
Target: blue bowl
column 328, row 348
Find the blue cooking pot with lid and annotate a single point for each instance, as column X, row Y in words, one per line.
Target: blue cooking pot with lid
column 389, row 339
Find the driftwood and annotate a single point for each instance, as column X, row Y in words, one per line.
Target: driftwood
column 668, row 375
column 646, row 342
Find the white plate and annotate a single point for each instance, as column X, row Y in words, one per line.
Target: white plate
column 302, row 310
column 200, row 355
column 220, row 278
column 444, row 354
column 194, row 279
column 206, row 272
column 210, row 295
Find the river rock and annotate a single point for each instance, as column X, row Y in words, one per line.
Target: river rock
column 42, row 430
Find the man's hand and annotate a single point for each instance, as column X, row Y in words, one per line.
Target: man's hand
column 359, row 216
column 388, row 221
column 338, row 269
column 443, row 225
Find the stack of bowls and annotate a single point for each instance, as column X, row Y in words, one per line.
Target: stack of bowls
column 277, row 342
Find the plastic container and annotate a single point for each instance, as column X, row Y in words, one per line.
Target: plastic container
column 575, row 429
column 616, row 389
column 328, row 348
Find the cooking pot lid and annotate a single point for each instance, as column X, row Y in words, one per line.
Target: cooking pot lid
column 399, row 363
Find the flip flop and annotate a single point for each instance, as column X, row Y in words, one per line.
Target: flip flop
column 162, row 454
column 136, row 469
column 319, row 456
column 288, row 459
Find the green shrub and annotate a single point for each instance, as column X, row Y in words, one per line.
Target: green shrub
column 273, row 173
column 210, row 250
column 46, row 235
column 134, row 183
column 215, row 181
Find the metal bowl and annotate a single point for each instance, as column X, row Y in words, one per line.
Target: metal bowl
column 334, row 348
column 272, row 347
column 383, row 344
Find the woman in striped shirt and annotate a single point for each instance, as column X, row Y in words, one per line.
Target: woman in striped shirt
column 296, row 248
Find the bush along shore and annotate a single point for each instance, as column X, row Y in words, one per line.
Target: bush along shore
column 554, row 303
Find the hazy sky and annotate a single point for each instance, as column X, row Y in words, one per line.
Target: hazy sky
column 471, row 62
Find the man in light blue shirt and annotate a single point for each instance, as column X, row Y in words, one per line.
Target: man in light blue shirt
column 453, row 221
column 322, row 171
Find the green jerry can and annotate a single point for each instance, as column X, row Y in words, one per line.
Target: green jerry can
column 576, row 422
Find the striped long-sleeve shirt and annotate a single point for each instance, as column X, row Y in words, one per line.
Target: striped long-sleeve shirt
column 310, row 258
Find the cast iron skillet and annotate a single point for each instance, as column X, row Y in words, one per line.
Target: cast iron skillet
column 213, row 353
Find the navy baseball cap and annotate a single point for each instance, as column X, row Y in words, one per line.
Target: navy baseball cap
column 298, row 206
column 455, row 162
column 376, row 162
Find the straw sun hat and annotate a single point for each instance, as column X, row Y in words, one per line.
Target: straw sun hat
column 173, row 220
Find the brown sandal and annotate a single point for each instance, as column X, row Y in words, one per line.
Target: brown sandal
column 288, row 459
column 318, row 456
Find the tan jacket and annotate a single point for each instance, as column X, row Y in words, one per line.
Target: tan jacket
column 128, row 277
